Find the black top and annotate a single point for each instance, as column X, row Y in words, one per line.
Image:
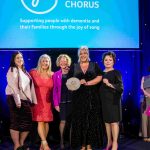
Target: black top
column 111, row 98
column 64, row 91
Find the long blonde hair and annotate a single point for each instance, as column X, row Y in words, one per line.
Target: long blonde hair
column 39, row 68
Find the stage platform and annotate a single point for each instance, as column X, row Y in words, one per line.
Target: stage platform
column 125, row 143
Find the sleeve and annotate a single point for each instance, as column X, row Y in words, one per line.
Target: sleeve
column 55, row 91
column 98, row 71
column 32, row 85
column 118, row 83
column 33, row 94
column 12, row 80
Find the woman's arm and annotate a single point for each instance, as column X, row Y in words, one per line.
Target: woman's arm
column 12, row 80
column 106, row 81
column 98, row 77
column 94, row 81
column 118, row 86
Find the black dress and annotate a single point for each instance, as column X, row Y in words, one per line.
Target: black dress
column 85, row 119
column 111, row 98
column 65, row 99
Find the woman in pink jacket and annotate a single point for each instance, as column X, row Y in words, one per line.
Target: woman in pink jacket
column 60, row 92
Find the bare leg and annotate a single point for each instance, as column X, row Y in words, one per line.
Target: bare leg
column 15, row 137
column 61, row 129
column 109, row 136
column 23, row 136
column 46, row 129
column 41, row 130
column 144, row 127
column 115, row 133
column 42, row 134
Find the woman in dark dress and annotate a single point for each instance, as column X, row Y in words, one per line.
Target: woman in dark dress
column 110, row 91
column 61, row 94
column 86, row 125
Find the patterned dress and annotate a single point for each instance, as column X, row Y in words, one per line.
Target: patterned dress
column 42, row 111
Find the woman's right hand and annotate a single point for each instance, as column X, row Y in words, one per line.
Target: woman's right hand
column 18, row 105
column 105, row 81
column 57, row 108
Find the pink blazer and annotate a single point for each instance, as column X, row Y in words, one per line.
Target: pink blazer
column 57, row 79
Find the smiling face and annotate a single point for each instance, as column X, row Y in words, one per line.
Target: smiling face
column 45, row 63
column 63, row 63
column 83, row 55
column 108, row 62
column 19, row 60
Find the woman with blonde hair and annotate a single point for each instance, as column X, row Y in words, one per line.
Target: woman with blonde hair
column 85, row 118
column 42, row 112
column 61, row 95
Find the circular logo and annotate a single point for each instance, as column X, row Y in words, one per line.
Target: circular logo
column 39, row 6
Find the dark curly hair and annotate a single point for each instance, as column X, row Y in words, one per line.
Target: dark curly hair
column 109, row 53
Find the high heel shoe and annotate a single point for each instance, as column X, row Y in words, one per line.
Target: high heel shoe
column 41, row 147
column 115, row 147
column 44, row 145
column 23, row 147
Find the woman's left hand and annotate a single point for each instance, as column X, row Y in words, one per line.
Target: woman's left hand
column 106, row 81
column 82, row 81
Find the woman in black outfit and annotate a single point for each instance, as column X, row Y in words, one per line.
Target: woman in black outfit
column 61, row 95
column 110, row 91
column 85, row 120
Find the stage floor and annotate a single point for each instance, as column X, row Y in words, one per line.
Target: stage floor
column 124, row 144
